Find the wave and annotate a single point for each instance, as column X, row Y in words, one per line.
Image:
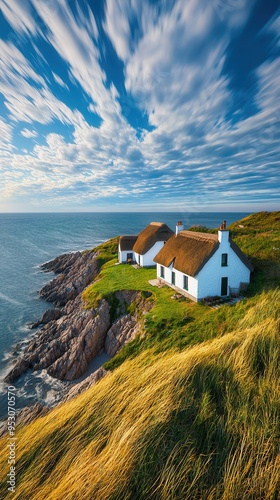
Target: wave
column 40, row 387
column 6, row 298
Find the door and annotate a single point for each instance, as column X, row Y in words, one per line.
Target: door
column 129, row 258
column 224, row 286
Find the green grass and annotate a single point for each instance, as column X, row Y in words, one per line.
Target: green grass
column 258, row 221
column 106, row 251
column 114, row 277
column 258, row 236
column 125, row 277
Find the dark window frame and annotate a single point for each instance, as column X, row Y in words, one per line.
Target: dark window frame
column 162, row 272
column 173, row 278
column 185, row 282
column 224, row 260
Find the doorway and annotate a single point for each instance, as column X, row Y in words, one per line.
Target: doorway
column 129, row 258
column 224, row 286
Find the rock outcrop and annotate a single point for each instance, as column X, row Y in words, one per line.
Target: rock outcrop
column 81, row 340
column 72, row 336
column 66, row 346
column 49, row 315
column 76, row 271
column 85, row 384
column 121, row 332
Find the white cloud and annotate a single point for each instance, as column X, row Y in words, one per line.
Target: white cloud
column 269, row 94
column 5, row 135
column 273, row 27
column 59, row 81
column 122, row 11
column 26, row 94
column 29, row 134
column 14, row 65
column 73, row 39
column 18, row 14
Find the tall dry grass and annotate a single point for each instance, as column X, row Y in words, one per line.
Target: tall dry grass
column 199, row 424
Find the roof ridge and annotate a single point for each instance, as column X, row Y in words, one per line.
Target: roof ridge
column 155, row 231
column 197, row 235
column 129, row 236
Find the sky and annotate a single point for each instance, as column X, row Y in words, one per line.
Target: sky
column 139, row 105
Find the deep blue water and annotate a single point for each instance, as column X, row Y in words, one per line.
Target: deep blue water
column 28, row 240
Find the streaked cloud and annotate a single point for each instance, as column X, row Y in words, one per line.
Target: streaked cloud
column 29, row 134
column 139, row 105
column 5, row 135
column 18, row 14
column 60, row 81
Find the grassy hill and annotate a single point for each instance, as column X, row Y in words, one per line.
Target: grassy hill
column 191, row 409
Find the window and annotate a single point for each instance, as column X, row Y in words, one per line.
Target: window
column 185, row 282
column 161, row 271
column 173, row 278
column 224, row 259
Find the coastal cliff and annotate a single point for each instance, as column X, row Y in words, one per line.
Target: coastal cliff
column 190, row 409
column 71, row 335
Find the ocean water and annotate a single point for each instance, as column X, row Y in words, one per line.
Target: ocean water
column 27, row 241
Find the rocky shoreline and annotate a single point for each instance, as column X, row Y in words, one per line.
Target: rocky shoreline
column 70, row 335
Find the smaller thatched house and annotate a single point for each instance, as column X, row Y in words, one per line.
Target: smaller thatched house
column 150, row 241
column 202, row 264
column 126, row 254
column 143, row 248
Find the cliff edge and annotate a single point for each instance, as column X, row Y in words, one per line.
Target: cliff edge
column 72, row 335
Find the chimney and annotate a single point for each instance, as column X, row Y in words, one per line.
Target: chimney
column 179, row 227
column 223, row 233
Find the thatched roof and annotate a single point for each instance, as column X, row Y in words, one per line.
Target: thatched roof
column 189, row 251
column 155, row 231
column 127, row 242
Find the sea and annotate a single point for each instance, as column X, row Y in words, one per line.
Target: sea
column 27, row 241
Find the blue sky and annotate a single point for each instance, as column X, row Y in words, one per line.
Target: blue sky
column 139, row 105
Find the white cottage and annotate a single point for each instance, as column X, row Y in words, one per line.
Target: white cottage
column 200, row 265
column 149, row 243
column 143, row 248
column 126, row 254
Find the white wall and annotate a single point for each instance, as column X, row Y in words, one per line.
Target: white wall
column 192, row 283
column 179, row 280
column 123, row 256
column 209, row 278
column 138, row 258
column 147, row 259
column 208, row 281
